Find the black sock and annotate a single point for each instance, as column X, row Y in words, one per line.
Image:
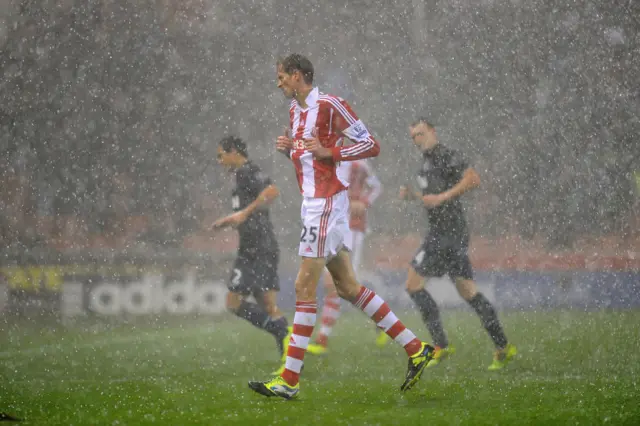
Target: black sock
column 431, row 316
column 278, row 327
column 257, row 316
column 254, row 314
column 489, row 319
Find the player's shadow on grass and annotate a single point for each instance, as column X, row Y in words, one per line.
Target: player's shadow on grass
column 4, row 417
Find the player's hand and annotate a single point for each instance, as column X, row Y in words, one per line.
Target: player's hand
column 218, row 224
column 357, row 208
column 314, row 146
column 433, row 200
column 284, row 143
column 403, row 193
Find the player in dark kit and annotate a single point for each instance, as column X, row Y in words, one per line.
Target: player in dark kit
column 444, row 176
column 255, row 271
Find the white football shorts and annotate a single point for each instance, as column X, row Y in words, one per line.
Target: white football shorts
column 325, row 226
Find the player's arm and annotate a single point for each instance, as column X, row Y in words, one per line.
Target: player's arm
column 406, row 193
column 283, row 150
column 264, row 199
column 466, row 176
column 284, row 144
column 467, row 179
column 470, row 180
column 347, row 122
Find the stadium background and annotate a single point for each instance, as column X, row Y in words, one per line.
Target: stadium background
column 110, row 112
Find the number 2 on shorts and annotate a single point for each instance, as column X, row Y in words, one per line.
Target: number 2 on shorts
column 237, row 275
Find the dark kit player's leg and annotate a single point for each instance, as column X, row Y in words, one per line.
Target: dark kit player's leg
column 242, row 284
column 428, row 308
column 257, row 316
column 252, row 312
column 460, row 268
column 278, row 322
column 485, row 310
column 427, row 263
column 267, row 286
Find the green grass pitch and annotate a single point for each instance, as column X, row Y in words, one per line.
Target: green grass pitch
column 572, row 368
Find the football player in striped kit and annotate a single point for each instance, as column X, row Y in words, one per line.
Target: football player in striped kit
column 318, row 124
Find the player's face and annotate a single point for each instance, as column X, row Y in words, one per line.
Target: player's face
column 286, row 83
column 423, row 136
column 225, row 159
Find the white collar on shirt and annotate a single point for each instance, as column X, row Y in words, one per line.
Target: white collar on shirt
column 312, row 99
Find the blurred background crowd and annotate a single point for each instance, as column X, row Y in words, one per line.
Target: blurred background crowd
column 111, row 110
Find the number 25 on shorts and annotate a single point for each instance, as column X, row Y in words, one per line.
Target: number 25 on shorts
column 309, row 235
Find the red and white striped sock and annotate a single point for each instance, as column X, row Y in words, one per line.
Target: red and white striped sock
column 330, row 314
column 378, row 310
column 303, row 322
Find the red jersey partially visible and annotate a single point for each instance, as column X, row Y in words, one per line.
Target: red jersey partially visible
column 334, row 119
column 364, row 187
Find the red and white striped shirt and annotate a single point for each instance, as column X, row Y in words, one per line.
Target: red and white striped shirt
column 365, row 187
column 334, row 119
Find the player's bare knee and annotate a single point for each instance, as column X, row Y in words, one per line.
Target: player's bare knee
column 414, row 281
column 305, row 284
column 233, row 302
column 269, row 302
column 347, row 288
column 305, row 290
column 308, row 277
column 412, row 287
column 303, row 293
column 348, row 293
column 269, row 307
column 467, row 289
column 467, row 294
column 272, row 309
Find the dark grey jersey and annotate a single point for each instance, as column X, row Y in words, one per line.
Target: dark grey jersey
column 442, row 168
column 256, row 233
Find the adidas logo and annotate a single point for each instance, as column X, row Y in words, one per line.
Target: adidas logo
column 308, row 250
